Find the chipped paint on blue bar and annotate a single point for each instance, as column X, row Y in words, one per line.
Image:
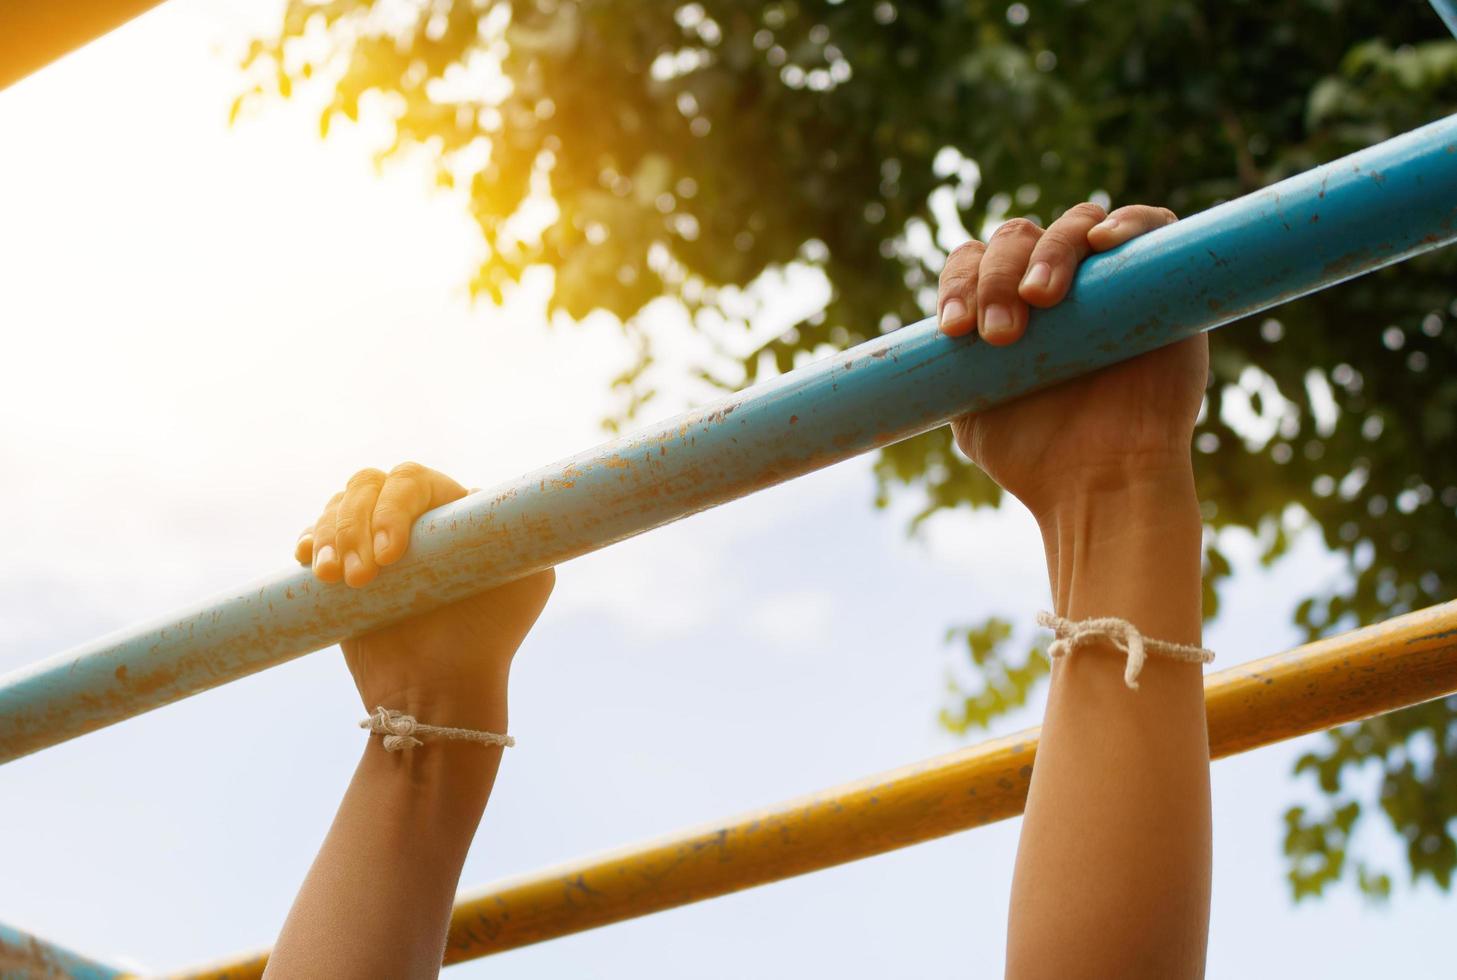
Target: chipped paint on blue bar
column 1360, row 213
column 26, row 957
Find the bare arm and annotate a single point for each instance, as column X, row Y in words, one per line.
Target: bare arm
column 1113, row 868
column 377, row 901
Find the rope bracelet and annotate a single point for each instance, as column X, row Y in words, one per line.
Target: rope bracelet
column 1122, row 636
column 399, row 731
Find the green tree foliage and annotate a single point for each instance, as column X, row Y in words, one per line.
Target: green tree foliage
column 1003, row 685
column 691, row 147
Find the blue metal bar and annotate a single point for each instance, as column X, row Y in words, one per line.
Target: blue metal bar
column 1360, row 213
column 1447, row 10
column 27, row 957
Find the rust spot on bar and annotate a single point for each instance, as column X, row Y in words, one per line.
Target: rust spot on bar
column 32, row 960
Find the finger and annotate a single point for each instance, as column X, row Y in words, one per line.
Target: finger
column 326, row 556
column 1128, row 222
column 956, row 294
column 1001, row 314
column 352, row 526
column 1055, row 260
column 409, row 491
column 303, row 551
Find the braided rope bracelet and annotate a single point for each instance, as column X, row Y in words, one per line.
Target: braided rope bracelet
column 1121, row 635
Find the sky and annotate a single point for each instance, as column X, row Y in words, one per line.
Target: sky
column 208, row 329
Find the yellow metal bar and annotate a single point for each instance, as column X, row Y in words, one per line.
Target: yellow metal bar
column 1367, row 672
column 33, row 33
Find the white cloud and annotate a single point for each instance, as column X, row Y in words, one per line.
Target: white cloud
column 795, row 622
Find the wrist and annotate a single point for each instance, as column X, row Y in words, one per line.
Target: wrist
column 482, row 709
column 1136, row 481
column 442, row 783
column 460, row 771
column 1128, row 541
column 436, row 792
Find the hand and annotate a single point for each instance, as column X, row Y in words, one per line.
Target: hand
column 448, row 666
column 1126, row 422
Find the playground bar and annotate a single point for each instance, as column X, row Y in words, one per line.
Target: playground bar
column 26, row 957
column 1379, row 206
column 33, row 33
column 1381, row 668
column 1447, row 10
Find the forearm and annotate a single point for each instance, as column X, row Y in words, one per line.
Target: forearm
column 1113, row 869
column 377, row 901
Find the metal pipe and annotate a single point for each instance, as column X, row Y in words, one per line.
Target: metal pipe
column 33, row 33
column 1360, row 213
column 1381, row 668
column 1447, row 10
column 27, row 957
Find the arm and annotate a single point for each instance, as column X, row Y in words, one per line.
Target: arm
column 377, row 901
column 1113, row 869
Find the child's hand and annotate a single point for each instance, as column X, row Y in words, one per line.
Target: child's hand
column 447, row 666
column 1131, row 421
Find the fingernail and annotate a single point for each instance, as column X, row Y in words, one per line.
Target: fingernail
column 381, row 541
column 997, row 319
column 325, row 555
column 1107, row 224
column 1039, row 275
column 351, row 564
column 952, row 313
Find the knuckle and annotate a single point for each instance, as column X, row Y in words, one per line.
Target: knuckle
column 1057, row 245
column 1017, row 228
column 409, row 470
column 1086, row 210
column 966, row 250
column 389, row 515
column 956, row 283
column 961, row 264
column 348, row 527
column 998, row 283
column 366, row 478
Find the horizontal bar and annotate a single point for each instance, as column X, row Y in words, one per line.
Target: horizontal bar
column 1447, row 10
column 1381, row 668
column 33, row 33
column 27, row 957
column 1365, row 211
